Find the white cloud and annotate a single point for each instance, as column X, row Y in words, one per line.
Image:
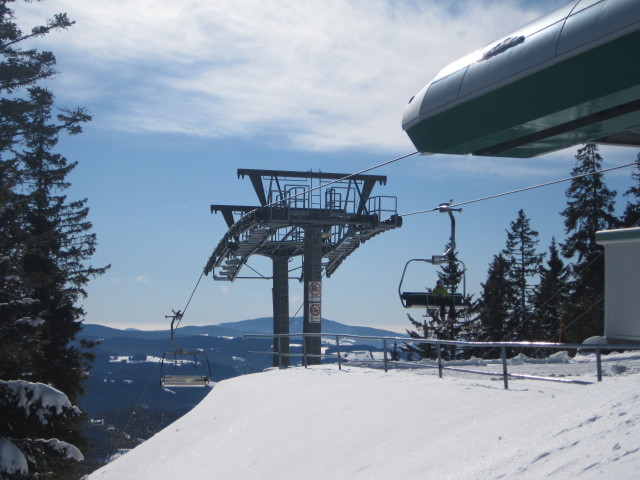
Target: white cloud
column 224, row 289
column 142, row 279
column 307, row 75
column 295, row 301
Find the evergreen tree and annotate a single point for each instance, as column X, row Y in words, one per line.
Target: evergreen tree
column 36, row 410
column 421, row 330
column 631, row 215
column 494, row 306
column 456, row 325
column 58, row 243
column 45, row 241
column 550, row 298
column 394, row 354
column 590, row 207
column 520, row 253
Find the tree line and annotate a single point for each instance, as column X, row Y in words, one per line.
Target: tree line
column 529, row 295
column 46, row 243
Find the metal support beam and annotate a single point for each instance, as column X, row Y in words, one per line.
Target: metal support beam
column 281, row 310
column 312, row 274
column 367, row 188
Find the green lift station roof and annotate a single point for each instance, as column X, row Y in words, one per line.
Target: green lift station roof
column 570, row 77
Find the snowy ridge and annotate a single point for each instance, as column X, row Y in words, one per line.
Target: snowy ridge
column 358, row 423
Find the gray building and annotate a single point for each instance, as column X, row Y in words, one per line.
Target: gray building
column 622, row 284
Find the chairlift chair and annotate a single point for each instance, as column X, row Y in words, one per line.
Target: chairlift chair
column 202, row 368
column 427, row 299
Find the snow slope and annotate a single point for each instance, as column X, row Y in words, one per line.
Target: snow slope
column 363, row 423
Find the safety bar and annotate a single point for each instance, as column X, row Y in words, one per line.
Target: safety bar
column 503, row 346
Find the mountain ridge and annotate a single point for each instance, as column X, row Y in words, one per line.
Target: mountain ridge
column 262, row 325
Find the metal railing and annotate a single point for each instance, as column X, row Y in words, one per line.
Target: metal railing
column 440, row 364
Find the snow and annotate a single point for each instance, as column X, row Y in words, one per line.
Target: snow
column 44, row 402
column 31, row 321
column 12, row 459
column 27, row 301
column 148, row 359
column 38, row 398
column 363, row 423
column 69, row 451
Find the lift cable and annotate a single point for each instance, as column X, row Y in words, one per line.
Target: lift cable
column 597, row 301
column 435, row 209
column 181, row 313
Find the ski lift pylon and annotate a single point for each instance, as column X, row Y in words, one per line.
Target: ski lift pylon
column 427, row 299
column 199, row 379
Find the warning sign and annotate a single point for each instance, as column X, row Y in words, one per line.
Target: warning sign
column 315, row 289
column 314, row 313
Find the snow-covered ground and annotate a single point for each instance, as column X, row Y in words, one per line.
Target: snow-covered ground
column 363, row 423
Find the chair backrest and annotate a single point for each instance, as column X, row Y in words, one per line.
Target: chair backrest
column 429, row 300
column 185, row 381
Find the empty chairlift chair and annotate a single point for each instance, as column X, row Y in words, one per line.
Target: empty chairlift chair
column 176, row 360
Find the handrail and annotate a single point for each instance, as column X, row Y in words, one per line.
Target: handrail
column 597, row 347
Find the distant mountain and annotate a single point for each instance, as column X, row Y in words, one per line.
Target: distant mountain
column 94, row 332
column 265, row 326
column 260, row 326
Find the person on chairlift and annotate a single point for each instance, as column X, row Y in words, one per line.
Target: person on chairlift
column 440, row 293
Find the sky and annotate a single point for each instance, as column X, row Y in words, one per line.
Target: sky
column 363, row 423
column 184, row 94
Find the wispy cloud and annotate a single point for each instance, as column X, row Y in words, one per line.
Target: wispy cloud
column 307, row 75
column 142, row 279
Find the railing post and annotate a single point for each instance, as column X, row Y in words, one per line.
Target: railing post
column 279, row 352
column 439, row 360
column 599, row 364
column 384, row 345
column 304, row 350
column 338, row 350
column 505, row 374
column 246, row 355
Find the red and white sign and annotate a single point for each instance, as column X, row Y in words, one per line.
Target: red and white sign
column 314, row 313
column 314, row 289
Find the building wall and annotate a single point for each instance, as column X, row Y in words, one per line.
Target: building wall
column 622, row 284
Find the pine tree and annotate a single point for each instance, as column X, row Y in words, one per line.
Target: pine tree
column 45, row 242
column 494, row 306
column 524, row 261
column 37, row 410
column 631, row 215
column 59, row 242
column 456, row 325
column 421, row 330
column 550, row 298
column 394, row 354
column 590, row 207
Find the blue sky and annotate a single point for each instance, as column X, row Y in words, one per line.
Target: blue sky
column 185, row 93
